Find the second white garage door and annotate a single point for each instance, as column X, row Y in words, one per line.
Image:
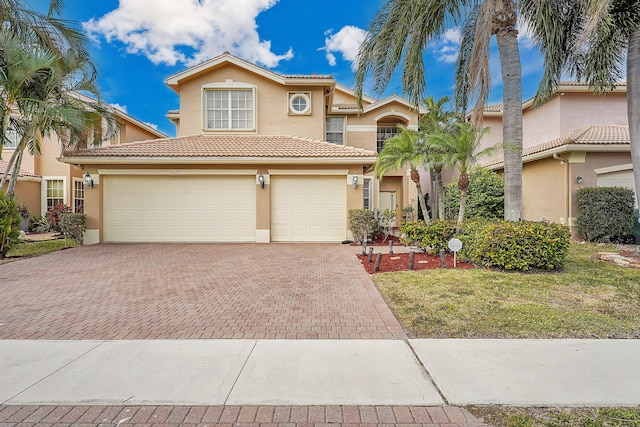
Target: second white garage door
column 308, row 208
column 179, row 208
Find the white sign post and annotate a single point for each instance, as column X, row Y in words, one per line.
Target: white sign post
column 455, row 245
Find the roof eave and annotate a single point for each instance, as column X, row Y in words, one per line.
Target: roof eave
column 94, row 160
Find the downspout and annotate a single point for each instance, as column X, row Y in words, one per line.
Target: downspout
column 567, row 202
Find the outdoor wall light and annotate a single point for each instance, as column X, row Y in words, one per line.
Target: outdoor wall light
column 580, row 179
column 261, row 180
column 88, row 180
column 355, row 181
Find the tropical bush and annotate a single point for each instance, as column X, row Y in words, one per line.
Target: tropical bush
column 9, row 223
column 605, row 213
column 485, row 196
column 514, row 246
column 73, row 225
column 433, row 237
column 39, row 224
column 362, row 222
column 53, row 216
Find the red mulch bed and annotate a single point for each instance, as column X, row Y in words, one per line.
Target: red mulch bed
column 400, row 262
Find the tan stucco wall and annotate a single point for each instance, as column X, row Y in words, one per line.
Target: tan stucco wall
column 543, row 193
column 28, row 193
column 273, row 116
column 130, row 133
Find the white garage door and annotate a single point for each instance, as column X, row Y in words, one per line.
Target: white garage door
column 179, row 209
column 308, row 208
column 618, row 179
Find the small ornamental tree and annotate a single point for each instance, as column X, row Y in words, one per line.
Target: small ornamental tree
column 73, row 225
column 362, row 222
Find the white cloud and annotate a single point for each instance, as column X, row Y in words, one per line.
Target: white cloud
column 448, row 47
column 188, row 31
column 151, row 125
column 525, row 36
column 347, row 42
column 122, row 108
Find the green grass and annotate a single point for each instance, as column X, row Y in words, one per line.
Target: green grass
column 588, row 299
column 31, row 249
column 555, row 417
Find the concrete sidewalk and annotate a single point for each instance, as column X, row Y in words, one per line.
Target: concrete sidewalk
column 321, row 372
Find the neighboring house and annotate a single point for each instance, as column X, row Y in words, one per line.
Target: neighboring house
column 258, row 157
column 44, row 182
column 576, row 139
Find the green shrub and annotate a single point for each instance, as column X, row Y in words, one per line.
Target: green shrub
column 485, row 196
column 606, row 213
column 53, row 216
column 514, row 246
column 39, row 224
column 362, row 223
column 432, row 237
column 9, row 223
column 73, row 225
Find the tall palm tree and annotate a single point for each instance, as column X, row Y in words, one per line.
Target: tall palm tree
column 462, row 148
column 437, row 119
column 406, row 149
column 590, row 39
column 402, row 29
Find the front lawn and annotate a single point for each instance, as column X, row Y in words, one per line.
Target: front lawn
column 556, row 417
column 588, row 299
column 31, row 249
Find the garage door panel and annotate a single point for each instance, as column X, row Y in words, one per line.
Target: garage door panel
column 308, row 208
column 179, row 209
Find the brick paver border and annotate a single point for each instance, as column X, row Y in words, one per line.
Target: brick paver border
column 147, row 416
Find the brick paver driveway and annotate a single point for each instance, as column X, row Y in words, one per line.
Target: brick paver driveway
column 193, row 291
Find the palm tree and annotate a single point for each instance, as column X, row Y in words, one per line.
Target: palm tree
column 406, row 149
column 28, row 29
column 402, row 29
column 49, row 103
column 589, row 39
column 462, row 148
column 437, row 119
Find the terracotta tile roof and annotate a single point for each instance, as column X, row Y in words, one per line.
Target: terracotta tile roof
column 21, row 173
column 307, row 76
column 589, row 135
column 227, row 146
column 346, row 106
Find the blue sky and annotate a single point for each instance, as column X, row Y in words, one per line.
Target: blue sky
column 136, row 44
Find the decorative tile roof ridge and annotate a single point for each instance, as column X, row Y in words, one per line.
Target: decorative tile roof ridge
column 21, row 172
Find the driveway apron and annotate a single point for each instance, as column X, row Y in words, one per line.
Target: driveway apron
column 193, row 291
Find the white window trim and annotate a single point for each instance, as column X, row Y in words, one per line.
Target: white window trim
column 344, row 127
column 370, row 182
column 228, row 84
column 292, row 96
column 43, row 187
column 73, row 192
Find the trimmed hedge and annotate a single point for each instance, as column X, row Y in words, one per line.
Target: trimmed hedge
column 511, row 246
column 432, row 237
column 606, row 213
column 515, row 246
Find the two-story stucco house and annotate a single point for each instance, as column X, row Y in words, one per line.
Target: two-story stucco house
column 44, row 182
column 258, row 157
column 576, row 139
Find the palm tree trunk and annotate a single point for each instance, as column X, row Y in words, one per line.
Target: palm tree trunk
column 440, row 193
column 463, row 202
column 507, row 37
column 633, row 103
column 14, row 176
column 10, row 166
column 415, row 177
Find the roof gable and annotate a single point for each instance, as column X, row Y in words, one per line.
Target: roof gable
column 174, row 80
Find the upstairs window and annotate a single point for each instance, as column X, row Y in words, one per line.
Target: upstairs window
column 229, row 109
column 385, row 132
column 12, row 138
column 335, row 130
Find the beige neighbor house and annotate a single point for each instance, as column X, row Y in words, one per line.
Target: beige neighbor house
column 44, row 182
column 258, row 157
column 576, row 139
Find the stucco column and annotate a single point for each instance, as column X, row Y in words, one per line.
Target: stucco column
column 263, row 208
